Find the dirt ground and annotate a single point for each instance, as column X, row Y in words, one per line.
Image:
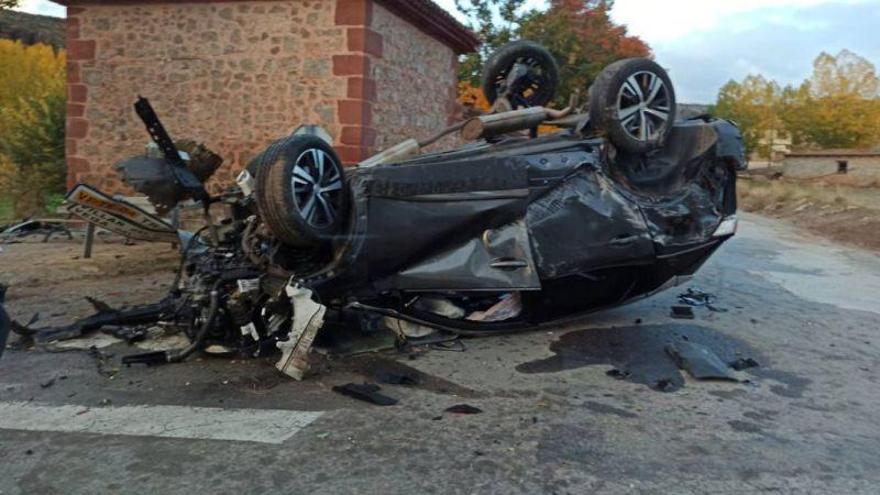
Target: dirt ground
column 843, row 214
column 51, row 279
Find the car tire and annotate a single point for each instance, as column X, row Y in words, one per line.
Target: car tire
column 632, row 102
column 540, row 62
column 300, row 190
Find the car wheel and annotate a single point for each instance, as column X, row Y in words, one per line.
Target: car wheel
column 300, row 190
column 632, row 101
column 536, row 74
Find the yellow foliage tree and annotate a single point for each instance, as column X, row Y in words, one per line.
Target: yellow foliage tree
column 32, row 105
column 837, row 107
column 754, row 105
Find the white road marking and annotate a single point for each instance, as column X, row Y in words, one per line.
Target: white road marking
column 205, row 423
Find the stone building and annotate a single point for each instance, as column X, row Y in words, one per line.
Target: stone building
column 238, row 74
column 857, row 163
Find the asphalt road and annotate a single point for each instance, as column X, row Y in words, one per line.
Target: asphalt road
column 807, row 420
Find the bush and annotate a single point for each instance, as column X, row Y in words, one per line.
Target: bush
column 32, row 117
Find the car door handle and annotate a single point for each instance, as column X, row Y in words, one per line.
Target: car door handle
column 508, row 264
column 623, row 240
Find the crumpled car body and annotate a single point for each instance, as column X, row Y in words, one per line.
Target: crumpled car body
column 553, row 217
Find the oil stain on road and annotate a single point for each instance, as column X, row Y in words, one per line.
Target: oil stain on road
column 637, row 353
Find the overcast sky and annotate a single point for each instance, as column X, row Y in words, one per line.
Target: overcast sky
column 704, row 43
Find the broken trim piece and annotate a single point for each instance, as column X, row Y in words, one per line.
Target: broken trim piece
column 308, row 318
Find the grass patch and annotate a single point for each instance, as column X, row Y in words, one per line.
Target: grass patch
column 761, row 194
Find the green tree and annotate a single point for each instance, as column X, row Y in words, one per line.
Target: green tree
column 32, row 108
column 34, row 144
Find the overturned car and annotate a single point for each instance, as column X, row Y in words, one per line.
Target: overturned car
column 511, row 231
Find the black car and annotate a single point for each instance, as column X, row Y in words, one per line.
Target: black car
column 513, row 230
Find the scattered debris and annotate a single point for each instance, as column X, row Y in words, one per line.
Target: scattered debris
column 616, row 373
column 743, row 364
column 699, row 361
column 105, row 316
column 48, row 383
column 46, row 228
column 463, row 409
column 696, row 297
column 682, row 312
column 367, row 392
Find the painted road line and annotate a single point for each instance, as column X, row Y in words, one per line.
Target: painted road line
column 204, row 423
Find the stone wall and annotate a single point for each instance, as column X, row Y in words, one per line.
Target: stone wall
column 237, row 75
column 415, row 81
column 815, row 166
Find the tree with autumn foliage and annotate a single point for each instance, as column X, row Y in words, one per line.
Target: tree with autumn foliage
column 583, row 38
column 579, row 33
column 8, row 4
column 837, row 107
column 33, row 99
column 754, row 104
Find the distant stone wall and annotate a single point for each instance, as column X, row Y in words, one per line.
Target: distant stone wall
column 415, row 80
column 237, row 75
column 815, row 166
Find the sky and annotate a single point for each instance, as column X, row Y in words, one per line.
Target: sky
column 705, row 43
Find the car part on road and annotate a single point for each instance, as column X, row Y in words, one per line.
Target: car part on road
column 366, row 392
column 682, row 312
column 699, row 361
column 136, row 315
column 463, row 409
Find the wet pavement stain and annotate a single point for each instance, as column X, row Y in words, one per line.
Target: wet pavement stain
column 638, row 351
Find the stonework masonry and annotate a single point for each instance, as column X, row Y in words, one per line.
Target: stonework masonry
column 237, row 75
